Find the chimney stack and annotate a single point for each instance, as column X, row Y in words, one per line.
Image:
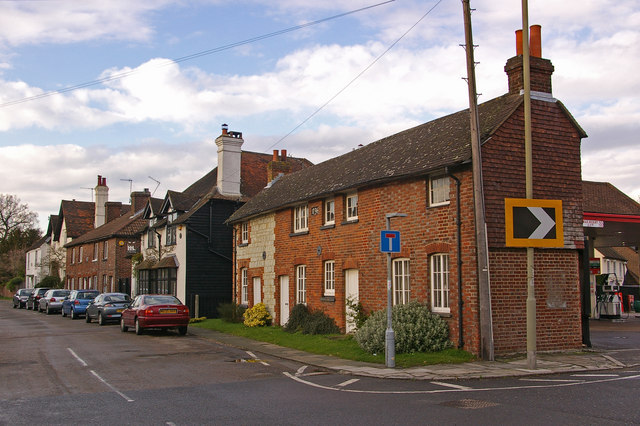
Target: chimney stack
column 278, row 165
column 229, row 161
column 101, row 197
column 139, row 200
column 540, row 69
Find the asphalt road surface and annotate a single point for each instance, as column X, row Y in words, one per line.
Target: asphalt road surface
column 58, row 371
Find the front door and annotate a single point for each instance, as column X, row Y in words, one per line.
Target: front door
column 284, row 299
column 257, row 296
column 351, row 294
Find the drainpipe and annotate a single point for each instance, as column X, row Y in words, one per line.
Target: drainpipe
column 459, row 238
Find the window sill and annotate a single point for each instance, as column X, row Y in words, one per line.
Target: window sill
column 328, row 226
column 328, row 299
column 349, row 222
column 243, row 244
column 296, row 234
column 443, row 314
column 433, row 206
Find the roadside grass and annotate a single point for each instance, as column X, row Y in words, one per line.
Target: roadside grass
column 337, row 345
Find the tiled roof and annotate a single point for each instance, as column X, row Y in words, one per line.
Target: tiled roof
column 428, row 147
column 602, row 197
column 124, row 226
column 39, row 243
column 79, row 217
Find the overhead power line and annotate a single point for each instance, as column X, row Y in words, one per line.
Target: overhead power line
column 391, row 46
column 189, row 57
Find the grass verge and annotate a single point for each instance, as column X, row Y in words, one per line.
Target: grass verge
column 337, row 345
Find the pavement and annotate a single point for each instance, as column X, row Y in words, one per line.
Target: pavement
column 586, row 359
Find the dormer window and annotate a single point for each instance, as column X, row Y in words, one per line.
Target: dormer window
column 171, row 217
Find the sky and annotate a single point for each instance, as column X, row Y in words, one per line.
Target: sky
column 137, row 91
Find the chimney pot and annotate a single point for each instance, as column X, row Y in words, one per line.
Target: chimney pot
column 225, row 127
column 535, row 41
column 275, row 155
column 518, row 42
column 284, row 155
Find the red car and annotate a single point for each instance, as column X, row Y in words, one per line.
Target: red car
column 155, row 311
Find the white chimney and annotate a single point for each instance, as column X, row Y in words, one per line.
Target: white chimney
column 101, row 197
column 229, row 158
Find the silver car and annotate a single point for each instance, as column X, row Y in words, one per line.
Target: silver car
column 52, row 300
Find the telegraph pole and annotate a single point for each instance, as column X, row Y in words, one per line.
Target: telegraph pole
column 482, row 250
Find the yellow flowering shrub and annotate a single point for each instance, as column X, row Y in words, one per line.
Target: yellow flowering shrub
column 257, row 316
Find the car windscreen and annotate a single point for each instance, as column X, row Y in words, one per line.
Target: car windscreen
column 60, row 293
column 161, row 300
column 24, row 292
column 117, row 298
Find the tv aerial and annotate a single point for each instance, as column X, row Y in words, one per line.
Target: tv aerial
column 157, row 185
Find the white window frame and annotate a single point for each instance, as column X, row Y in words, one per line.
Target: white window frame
column 401, row 281
column 81, row 254
column 301, row 218
column 171, row 235
column 244, row 287
column 330, row 278
column 96, row 249
column 244, row 232
column 351, row 206
column 105, row 250
column 330, row 211
column 439, row 188
column 73, row 255
column 440, row 283
column 301, row 284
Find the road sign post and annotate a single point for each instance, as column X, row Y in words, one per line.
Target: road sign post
column 390, row 243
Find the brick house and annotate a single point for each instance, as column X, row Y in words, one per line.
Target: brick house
column 74, row 219
column 187, row 248
column 101, row 258
column 313, row 237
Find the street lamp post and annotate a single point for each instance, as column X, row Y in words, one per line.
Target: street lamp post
column 390, row 337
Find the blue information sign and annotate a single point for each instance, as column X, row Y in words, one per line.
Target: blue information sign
column 390, row 241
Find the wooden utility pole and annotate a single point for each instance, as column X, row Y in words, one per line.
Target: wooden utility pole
column 482, row 249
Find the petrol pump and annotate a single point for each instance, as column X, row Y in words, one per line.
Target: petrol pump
column 608, row 301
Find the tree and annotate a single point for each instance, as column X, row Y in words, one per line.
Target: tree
column 14, row 216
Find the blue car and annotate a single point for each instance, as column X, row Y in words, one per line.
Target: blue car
column 76, row 304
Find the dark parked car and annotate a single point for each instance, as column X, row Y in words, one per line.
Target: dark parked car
column 34, row 298
column 155, row 311
column 51, row 302
column 107, row 307
column 77, row 302
column 20, row 297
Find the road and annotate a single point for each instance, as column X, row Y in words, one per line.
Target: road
column 58, row 371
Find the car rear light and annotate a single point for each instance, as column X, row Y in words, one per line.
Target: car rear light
column 148, row 312
column 108, row 305
column 53, row 299
column 76, row 302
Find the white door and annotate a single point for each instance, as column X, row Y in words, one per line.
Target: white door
column 284, row 299
column 350, row 293
column 257, row 297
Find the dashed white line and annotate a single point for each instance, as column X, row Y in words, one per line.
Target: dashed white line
column 252, row 355
column 347, row 383
column 550, row 380
column 80, row 360
column 111, row 387
column 451, row 385
column 595, row 375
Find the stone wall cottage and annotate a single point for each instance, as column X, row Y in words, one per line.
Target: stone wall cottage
column 313, row 236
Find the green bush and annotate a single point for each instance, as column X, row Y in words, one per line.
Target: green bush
column 50, row 282
column 14, row 283
column 356, row 313
column 231, row 312
column 257, row 316
column 310, row 321
column 416, row 330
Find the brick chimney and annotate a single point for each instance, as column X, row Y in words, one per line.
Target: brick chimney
column 278, row 165
column 101, row 197
column 139, row 200
column 229, row 160
column 540, row 69
column 113, row 210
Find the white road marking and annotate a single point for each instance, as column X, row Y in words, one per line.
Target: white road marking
column 612, row 359
column 111, row 387
column 301, row 370
column 451, row 385
column 80, row 360
column 424, row 392
column 347, row 383
column 252, row 355
column 595, row 375
column 551, row 380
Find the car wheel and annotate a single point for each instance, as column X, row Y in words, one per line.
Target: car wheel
column 14, row 306
column 138, row 328
column 123, row 327
column 182, row 330
column 47, row 310
column 100, row 319
column 87, row 318
column 73, row 314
